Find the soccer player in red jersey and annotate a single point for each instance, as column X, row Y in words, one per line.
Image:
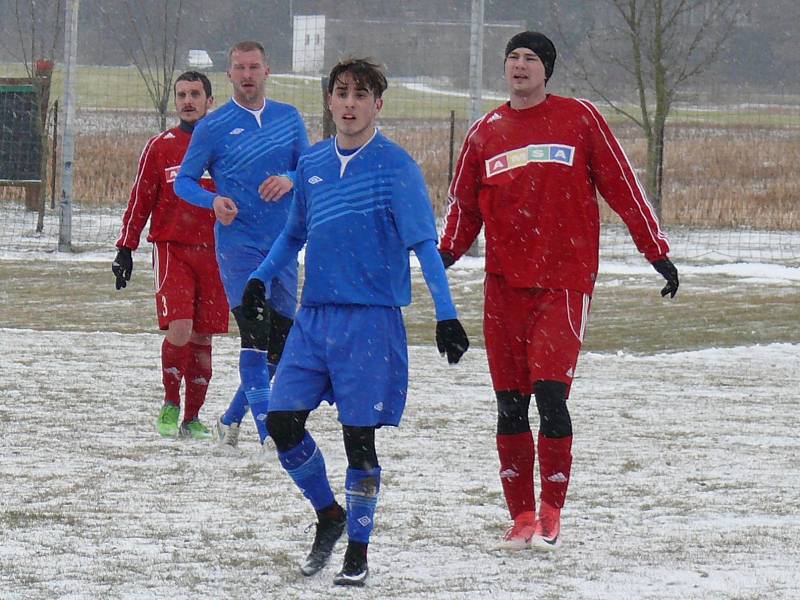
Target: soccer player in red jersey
column 190, row 300
column 529, row 173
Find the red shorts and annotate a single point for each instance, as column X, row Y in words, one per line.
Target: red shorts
column 188, row 286
column 532, row 334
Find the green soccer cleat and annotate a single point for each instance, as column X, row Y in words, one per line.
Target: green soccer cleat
column 194, row 430
column 167, row 422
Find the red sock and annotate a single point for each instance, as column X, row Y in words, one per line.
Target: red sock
column 198, row 374
column 555, row 462
column 173, row 360
column 516, row 454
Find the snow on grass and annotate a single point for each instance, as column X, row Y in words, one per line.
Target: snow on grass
column 684, row 483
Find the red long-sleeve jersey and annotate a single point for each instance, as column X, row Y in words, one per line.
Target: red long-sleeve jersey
column 531, row 177
column 171, row 218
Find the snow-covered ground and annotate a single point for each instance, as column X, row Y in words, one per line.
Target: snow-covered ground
column 685, row 482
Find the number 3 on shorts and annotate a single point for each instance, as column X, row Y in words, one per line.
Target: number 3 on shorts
column 165, row 312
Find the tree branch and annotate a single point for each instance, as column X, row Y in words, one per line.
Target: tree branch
column 20, row 29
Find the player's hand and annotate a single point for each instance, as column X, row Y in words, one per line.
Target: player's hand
column 122, row 267
column 451, row 339
column 447, row 258
column 225, row 209
column 254, row 300
column 274, row 187
column 668, row 271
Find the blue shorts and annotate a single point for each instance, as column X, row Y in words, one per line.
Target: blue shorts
column 235, row 269
column 350, row 355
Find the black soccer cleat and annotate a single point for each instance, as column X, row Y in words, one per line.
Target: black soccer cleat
column 329, row 530
column 355, row 570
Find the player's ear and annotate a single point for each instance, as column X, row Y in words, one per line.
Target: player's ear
column 209, row 102
column 378, row 104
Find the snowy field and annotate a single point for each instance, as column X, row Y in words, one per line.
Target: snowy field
column 685, row 481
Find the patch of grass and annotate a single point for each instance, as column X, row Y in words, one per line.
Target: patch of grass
column 631, row 317
column 122, row 88
column 629, row 466
column 24, row 519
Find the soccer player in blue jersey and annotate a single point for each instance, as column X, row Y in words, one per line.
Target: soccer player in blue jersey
column 359, row 207
column 250, row 146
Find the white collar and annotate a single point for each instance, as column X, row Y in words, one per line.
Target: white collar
column 256, row 113
column 344, row 159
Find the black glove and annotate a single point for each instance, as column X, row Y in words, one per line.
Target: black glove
column 670, row 273
column 451, row 339
column 447, row 258
column 254, row 301
column 122, row 267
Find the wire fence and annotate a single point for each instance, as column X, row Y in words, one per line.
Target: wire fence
column 731, row 186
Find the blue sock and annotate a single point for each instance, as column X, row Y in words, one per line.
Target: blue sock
column 362, row 489
column 306, row 466
column 237, row 408
column 255, row 382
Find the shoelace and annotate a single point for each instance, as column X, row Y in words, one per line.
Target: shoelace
column 317, row 539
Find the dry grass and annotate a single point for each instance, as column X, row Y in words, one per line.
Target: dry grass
column 714, row 176
column 729, row 177
column 106, row 167
column 429, row 144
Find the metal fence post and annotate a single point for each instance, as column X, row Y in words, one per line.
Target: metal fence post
column 68, row 142
column 475, row 80
column 476, row 61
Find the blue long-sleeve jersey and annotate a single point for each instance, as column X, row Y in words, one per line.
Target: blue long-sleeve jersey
column 240, row 153
column 360, row 215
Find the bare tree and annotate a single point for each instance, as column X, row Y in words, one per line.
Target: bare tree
column 151, row 43
column 37, row 28
column 653, row 48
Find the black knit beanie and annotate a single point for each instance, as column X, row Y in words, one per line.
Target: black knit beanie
column 537, row 42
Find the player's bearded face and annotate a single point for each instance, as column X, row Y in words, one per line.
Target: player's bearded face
column 248, row 74
column 354, row 109
column 191, row 102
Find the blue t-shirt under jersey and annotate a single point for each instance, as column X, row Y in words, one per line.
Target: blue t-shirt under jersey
column 360, row 219
column 240, row 153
